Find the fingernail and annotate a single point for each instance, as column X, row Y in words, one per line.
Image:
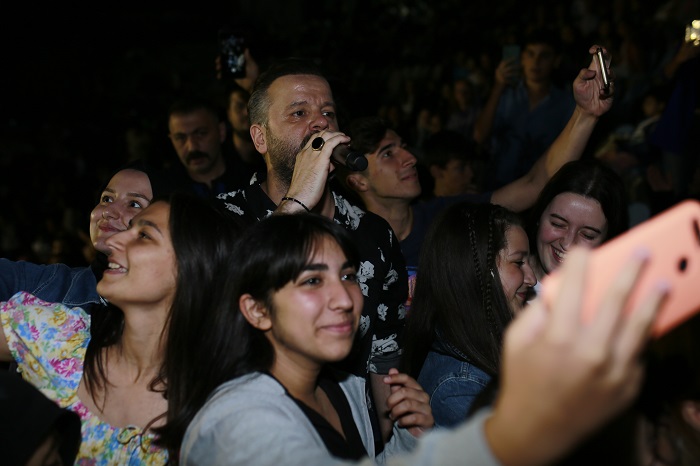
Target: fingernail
column 663, row 285
column 642, row 252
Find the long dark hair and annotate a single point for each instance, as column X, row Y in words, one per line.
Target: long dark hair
column 588, row 178
column 210, row 342
column 203, row 237
column 458, row 289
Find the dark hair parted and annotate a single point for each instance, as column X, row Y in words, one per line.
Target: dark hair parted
column 588, row 178
column 203, row 237
column 458, row 293
column 259, row 102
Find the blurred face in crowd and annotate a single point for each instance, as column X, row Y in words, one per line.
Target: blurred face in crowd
column 197, row 137
column 238, row 113
column 127, row 193
column 569, row 220
column 454, row 179
column 538, row 62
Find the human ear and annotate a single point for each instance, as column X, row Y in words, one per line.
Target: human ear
column 690, row 410
column 357, row 182
column 254, row 312
column 257, row 134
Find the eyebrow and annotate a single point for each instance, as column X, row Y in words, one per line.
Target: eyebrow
column 144, row 222
column 301, row 103
column 385, row 147
column 323, row 267
column 585, row 226
column 139, row 195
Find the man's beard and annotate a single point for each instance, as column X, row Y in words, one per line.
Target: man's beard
column 283, row 156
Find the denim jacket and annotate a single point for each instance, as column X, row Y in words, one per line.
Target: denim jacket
column 55, row 283
column 451, row 382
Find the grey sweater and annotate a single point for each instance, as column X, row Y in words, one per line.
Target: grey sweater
column 251, row 421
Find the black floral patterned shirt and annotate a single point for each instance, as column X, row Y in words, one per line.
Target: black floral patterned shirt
column 382, row 277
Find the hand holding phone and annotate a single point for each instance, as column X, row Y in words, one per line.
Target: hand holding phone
column 511, row 63
column 672, row 239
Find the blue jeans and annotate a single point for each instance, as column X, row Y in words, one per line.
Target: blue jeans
column 453, row 385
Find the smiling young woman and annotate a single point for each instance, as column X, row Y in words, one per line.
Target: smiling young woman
column 111, row 367
column 471, row 283
column 585, row 203
column 299, row 307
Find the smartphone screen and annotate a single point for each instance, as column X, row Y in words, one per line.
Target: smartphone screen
column 231, row 49
column 511, row 51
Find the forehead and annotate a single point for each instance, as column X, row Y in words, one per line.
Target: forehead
column 292, row 90
column 237, row 97
column 540, row 48
column 326, row 250
column 195, row 119
column 576, row 204
column 390, row 137
column 516, row 239
column 157, row 213
column 131, row 181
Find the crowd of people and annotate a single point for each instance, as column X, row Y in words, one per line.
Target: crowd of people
column 258, row 298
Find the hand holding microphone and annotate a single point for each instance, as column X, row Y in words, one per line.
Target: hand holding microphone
column 353, row 160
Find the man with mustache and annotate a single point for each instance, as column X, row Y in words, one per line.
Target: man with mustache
column 295, row 127
column 198, row 135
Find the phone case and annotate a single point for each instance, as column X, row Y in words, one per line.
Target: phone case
column 673, row 240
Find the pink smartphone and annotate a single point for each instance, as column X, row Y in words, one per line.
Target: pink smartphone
column 673, row 240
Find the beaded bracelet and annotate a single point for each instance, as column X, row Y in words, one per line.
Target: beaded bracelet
column 297, row 201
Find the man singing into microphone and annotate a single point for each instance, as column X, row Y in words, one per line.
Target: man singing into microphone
column 294, row 126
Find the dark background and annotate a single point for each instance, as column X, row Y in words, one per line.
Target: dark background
column 82, row 89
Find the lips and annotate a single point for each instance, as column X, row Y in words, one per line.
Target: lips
column 108, row 228
column 558, row 255
column 412, row 175
column 340, row 328
column 115, row 267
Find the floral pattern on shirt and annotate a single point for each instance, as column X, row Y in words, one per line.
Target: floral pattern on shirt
column 48, row 341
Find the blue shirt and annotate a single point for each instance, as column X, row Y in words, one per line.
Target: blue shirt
column 520, row 136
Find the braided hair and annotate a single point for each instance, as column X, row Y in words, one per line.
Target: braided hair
column 458, row 293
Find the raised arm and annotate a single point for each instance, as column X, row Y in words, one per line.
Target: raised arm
column 591, row 103
column 506, row 71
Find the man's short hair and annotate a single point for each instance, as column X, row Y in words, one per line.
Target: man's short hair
column 367, row 133
column 193, row 103
column 546, row 36
column 447, row 145
column 259, row 102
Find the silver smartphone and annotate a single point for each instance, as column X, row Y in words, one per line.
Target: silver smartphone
column 603, row 70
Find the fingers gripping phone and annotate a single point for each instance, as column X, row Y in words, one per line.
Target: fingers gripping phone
column 673, row 240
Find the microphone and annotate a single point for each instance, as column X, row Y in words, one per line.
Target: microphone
column 344, row 155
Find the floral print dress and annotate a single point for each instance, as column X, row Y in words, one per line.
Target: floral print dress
column 48, row 341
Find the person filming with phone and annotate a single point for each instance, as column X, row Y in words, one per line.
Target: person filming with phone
column 525, row 110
